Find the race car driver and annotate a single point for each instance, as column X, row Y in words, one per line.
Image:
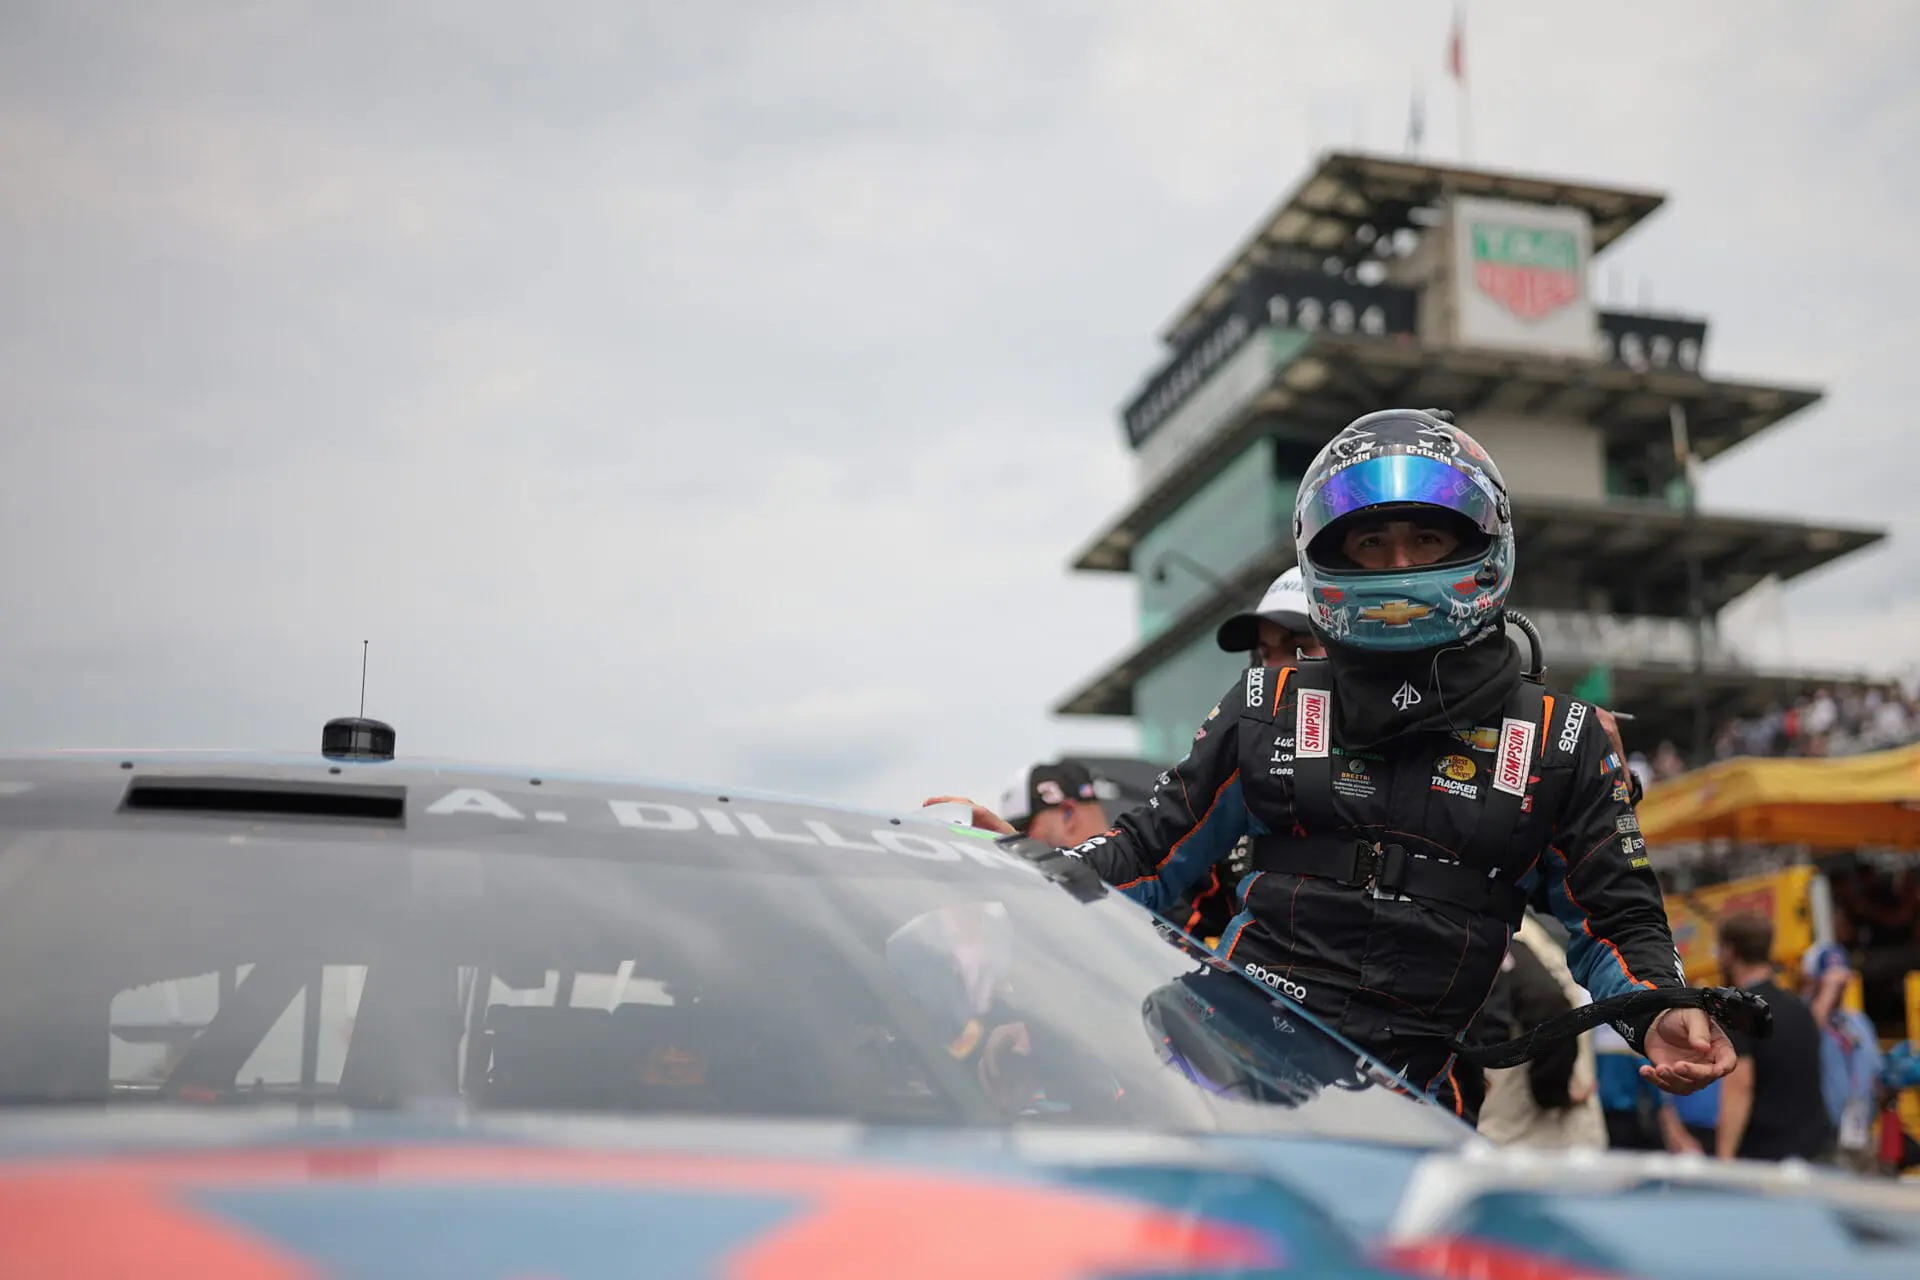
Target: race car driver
column 1406, row 795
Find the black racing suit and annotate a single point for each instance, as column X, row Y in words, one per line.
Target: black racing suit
column 1396, row 968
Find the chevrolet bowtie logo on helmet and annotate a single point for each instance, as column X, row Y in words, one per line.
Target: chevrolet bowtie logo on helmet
column 1396, row 613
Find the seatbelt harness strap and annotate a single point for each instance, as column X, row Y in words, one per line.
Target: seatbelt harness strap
column 1313, row 749
column 1504, row 803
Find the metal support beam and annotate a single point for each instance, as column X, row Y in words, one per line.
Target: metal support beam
column 1696, row 603
column 1543, row 395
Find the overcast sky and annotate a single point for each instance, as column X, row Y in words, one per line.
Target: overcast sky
column 718, row 391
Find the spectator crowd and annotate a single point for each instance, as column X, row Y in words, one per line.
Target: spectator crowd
column 1825, row 723
column 1852, row 721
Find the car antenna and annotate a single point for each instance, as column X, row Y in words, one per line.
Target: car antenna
column 356, row 737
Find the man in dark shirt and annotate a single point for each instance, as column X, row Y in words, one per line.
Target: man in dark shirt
column 1771, row 1106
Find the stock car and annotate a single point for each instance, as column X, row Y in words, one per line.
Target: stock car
column 352, row 1015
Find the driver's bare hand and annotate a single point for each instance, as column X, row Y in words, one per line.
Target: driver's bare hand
column 1687, row 1051
column 983, row 818
column 1001, row 1060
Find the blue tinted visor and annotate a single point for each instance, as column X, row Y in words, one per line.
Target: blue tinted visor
column 1394, row 479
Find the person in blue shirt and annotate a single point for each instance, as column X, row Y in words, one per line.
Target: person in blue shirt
column 1629, row 1101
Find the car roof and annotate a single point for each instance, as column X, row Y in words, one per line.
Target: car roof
column 430, row 798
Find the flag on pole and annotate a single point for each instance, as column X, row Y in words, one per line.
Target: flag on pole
column 1416, row 123
column 1456, row 55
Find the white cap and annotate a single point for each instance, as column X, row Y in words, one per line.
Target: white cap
column 1285, row 603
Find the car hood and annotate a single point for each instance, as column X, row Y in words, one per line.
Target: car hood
column 267, row 1193
column 176, row 1193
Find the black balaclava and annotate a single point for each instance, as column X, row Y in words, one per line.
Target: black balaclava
column 1379, row 696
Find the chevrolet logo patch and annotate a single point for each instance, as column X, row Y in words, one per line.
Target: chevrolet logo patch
column 1396, row 613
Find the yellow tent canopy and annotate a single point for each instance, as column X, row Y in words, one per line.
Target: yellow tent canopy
column 1838, row 803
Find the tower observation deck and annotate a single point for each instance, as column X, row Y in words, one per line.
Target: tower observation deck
column 1381, row 283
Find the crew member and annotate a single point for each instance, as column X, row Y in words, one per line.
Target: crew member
column 1406, row 794
column 1054, row 803
column 1770, row 1107
column 1272, row 635
column 1548, row 1102
column 1277, row 630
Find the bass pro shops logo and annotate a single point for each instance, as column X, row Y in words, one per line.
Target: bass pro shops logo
column 1531, row 271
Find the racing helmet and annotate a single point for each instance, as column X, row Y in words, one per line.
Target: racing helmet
column 1406, row 464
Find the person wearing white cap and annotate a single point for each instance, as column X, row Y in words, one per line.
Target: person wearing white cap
column 1277, row 631
column 1275, row 634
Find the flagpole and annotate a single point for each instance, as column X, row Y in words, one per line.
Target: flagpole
column 1688, row 467
column 1464, row 102
column 1466, row 126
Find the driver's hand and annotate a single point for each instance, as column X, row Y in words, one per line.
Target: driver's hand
column 983, row 818
column 1687, row 1051
column 1005, row 1063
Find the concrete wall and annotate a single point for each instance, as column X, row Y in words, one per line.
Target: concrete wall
column 1227, row 390
column 1238, row 514
column 1428, row 268
column 1543, row 457
column 1172, row 700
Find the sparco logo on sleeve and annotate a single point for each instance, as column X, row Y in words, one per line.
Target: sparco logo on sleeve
column 1515, row 754
column 1570, row 732
column 1312, row 723
column 1256, row 686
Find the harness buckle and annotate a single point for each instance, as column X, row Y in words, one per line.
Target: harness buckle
column 1379, row 869
column 1367, row 860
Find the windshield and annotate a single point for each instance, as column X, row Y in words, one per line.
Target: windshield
column 801, row 966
